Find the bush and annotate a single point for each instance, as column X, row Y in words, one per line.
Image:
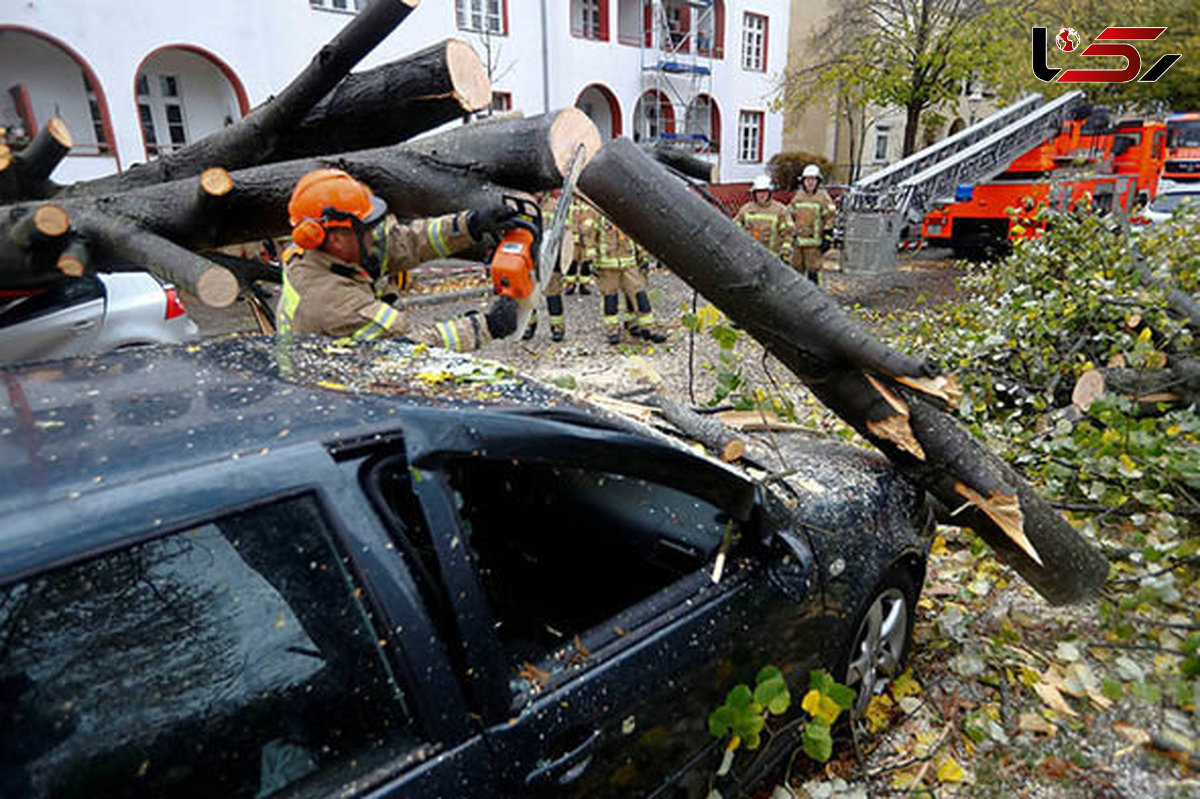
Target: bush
column 785, row 168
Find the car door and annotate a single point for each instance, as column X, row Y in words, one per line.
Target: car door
column 239, row 631
column 599, row 630
column 59, row 321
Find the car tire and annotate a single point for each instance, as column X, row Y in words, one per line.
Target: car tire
column 882, row 637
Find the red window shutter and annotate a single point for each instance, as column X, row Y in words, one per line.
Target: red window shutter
column 719, row 31
column 603, row 20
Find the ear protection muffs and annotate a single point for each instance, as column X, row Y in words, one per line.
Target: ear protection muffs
column 309, row 234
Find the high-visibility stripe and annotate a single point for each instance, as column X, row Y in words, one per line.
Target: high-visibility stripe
column 449, row 335
column 616, row 263
column 561, row 319
column 287, row 310
column 612, row 320
column 646, row 319
column 437, row 239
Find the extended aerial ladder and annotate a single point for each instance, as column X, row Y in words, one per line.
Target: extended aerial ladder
column 877, row 209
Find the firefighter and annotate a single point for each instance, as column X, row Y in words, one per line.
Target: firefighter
column 616, row 261
column 812, row 211
column 767, row 220
column 554, row 287
column 345, row 241
column 578, row 275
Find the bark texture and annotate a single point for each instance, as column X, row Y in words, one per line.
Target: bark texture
column 892, row 399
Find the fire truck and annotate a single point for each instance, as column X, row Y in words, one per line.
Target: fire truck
column 1183, row 147
column 1107, row 167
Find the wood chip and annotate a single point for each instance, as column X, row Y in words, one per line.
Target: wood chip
column 943, row 387
column 1089, row 386
column 897, row 430
column 1005, row 511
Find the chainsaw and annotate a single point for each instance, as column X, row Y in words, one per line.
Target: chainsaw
column 527, row 253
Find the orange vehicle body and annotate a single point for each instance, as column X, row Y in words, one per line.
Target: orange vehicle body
column 1183, row 147
column 1118, row 168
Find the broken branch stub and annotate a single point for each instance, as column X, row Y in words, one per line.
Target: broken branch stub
column 834, row 356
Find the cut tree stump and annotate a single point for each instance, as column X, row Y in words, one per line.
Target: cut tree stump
column 894, row 400
column 393, row 103
column 26, row 173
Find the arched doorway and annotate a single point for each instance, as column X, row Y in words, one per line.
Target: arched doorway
column 183, row 94
column 601, row 106
column 653, row 116
column 44, row 77
column 704, row 120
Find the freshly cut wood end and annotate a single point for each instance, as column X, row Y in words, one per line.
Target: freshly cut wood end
column 1091, row 384
column 943, row 387
column 411, row 3
column 571, row 128
column 6, row 157
column 51, row 220
column 1162, row 396
column 70, row 265
column 216, row 181
column 58, row 129
column 898, row 405
column 733, row 450
column 217, row 287
column 1005, row 511
column 468, row 76
column 897, row 430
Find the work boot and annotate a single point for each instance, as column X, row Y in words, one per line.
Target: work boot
column 652, row 335
column 614, row 337
column 584, row 291
column 635, row 331
column 530, row 329
column 557, row 333
column 570, row 289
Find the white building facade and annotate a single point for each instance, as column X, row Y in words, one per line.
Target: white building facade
column 134, row 79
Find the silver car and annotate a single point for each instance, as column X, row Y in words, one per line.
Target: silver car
column 93, row 314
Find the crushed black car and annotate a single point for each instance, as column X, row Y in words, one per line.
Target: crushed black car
column 248, row 569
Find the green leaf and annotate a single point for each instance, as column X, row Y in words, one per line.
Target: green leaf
column 843, row 696
column 768, row 673
column 739, row 697
column 773, row 694
column 818, row 742
column 720, row 721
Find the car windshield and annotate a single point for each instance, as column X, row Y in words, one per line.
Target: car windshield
column 1166, row 203
column 1184, row 133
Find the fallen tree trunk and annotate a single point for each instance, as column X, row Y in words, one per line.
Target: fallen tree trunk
column 251, row 204
column 890, row 398
column 682, row 161
column 1177, row 384
column 392, row 103
column 253, row 139
column 32, row 238
column 708, row 430
column 27, row 172
column 526, row 153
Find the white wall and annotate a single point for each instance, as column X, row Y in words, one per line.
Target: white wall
column 268, row 41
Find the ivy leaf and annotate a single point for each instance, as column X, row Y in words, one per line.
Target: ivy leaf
column 818, row 742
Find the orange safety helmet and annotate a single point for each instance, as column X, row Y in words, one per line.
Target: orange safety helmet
column 326, row 198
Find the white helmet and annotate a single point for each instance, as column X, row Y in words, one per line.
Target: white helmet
column 761, row 183
column 811, row 171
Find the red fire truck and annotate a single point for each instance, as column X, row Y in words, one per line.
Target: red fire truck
column 1183, row 147
column 1108, row 168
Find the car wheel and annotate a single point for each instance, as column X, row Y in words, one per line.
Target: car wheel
column 882, row 635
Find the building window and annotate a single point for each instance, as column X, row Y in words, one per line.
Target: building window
column 750, row 136
column 339, row 5
column 589, row 19
column 754, row 42
column 710, row 29
column 160, row 108
column 501, row 101
column 96, row 116
column 882, row 133
column 482, row 16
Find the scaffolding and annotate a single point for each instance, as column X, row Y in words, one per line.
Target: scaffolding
column 677, row 43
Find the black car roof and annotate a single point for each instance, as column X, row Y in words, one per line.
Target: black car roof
column 68, row 427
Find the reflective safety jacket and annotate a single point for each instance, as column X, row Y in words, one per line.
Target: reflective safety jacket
column 812, row 215
column 771, row 225
column 325, row 296
column 606, row 244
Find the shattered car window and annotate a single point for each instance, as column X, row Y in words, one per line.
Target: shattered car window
column 233, row 659
column 560, row 550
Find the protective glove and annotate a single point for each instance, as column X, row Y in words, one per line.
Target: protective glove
column 490, row 219
column 501, row 317
column 826, row 240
